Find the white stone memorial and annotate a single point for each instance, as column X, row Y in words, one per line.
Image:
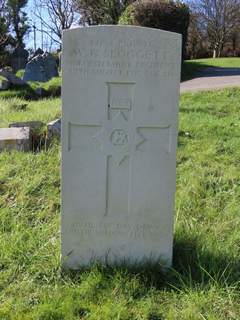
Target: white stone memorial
column 119, row 138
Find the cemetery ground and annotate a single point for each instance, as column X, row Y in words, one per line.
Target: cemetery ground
column 205, row 280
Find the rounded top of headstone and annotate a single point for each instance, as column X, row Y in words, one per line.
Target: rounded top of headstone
column 123, row 28
column 41, row 67
column 38, row 51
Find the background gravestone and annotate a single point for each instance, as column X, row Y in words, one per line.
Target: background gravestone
column 50, row 66
column 41, row 67
column 37, row 52
column 19, row 59
column 120, row 106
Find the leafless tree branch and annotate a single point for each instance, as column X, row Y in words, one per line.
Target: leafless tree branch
column 218, row 18
column 55, row 16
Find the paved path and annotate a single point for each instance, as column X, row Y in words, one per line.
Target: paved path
column 213, row 78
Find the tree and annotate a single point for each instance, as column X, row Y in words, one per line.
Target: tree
column 94, row 12
column 218, row 18
column 55, row 16
column 197, row 45
column 5, row 37
column 18, row 19
column 234, row 39
column 3, row 25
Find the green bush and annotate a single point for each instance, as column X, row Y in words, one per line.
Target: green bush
column 53, row 87
column 160, row 14
column 20, row 73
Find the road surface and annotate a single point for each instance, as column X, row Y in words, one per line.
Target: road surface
column 212, row 78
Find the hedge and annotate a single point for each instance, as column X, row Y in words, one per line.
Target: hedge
column 160, row 14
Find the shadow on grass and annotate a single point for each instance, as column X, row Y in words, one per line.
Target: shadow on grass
column 194, row 264
column 193, row 69
column 184, row 137
column 23, row 92
column 210, row 71
column 207, row 110
column 27, row 92
column 190, row 70
column 193, row 267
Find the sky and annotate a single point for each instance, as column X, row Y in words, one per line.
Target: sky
column 47, row 43
column 29, row 40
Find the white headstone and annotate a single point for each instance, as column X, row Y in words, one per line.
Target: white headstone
column 120, row 107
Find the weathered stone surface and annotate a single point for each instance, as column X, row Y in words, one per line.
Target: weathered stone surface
column 15, row 139
column 34, row 70
column 12, row 78
column 120, row 107
column 50, row 66
column 41, row 68
column 54, row 128
column 31, row 124
column 19, row 58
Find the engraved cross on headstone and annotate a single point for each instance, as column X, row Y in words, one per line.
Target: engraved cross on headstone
column 119, row 138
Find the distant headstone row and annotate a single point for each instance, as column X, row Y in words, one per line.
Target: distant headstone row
column 41, row 66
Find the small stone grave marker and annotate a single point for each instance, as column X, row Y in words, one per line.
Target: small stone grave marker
column 15, row 139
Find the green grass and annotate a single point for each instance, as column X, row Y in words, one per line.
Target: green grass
column 52, row 88
column 205, row 280
column 17, row 109
column 192, row 67
column 20, row 73
column 24, row 92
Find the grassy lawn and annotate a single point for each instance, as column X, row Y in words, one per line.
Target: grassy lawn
column 18, row 109
column 191, row 67
column 205, row 280
column 51, row 88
